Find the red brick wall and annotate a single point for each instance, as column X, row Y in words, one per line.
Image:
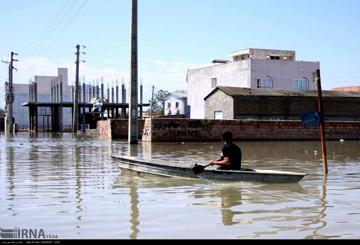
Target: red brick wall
column 348, row 89
column 185, row 130
column 116, row 129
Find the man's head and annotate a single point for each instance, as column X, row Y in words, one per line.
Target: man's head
column 227, row 137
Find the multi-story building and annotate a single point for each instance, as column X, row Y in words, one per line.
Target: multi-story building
column 250, row 68
column 47, row 91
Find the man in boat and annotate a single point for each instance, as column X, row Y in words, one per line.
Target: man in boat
column 231, row 154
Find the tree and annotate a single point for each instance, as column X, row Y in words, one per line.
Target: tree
column 157, row 105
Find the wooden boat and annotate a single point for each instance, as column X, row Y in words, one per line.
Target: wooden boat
column 168, row 170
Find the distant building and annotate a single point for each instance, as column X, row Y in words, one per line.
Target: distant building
column 228, row 103
column 250, row 68
column 176, row 105
column 48, row 90
column 348, row 89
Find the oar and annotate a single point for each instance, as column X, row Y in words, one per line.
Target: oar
column 198, row 169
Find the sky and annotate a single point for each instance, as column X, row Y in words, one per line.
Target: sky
column 175, row 36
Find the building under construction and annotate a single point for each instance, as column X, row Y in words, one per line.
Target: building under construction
column 47, row 103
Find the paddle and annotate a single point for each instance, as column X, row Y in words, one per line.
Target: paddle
column 198, row 169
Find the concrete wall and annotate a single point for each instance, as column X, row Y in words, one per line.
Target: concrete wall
column 245, row 74
column 21, row 113
column 182, row 130
column 219, row 102
column 235, row 74
column 283, row 73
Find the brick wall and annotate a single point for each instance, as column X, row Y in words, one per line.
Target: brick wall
column 185, row 130
column 116, row 129
column 348, row 89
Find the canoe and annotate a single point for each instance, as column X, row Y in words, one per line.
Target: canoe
column 169, row 170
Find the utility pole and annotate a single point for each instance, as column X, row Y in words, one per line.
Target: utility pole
column 133, row 106
column 9, row 123
column 322, row 123
column 152, row 102
column 76, row 92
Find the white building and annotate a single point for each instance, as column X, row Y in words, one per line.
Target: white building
column 46, row 87
column 250, row 68
column 176, row 105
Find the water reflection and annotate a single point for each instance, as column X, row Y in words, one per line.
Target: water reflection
column 78, row 196
column 72, row 186
column 320, row 221
column 11, row 180
column 230, row 198
column 134, row 213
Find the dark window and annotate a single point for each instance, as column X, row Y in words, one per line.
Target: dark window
column 275, row 57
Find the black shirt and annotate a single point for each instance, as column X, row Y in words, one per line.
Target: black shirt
column 233, row 152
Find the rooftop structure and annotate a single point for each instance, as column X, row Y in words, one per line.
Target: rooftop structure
column 264, row 54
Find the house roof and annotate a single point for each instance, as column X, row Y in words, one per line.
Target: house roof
column 240, row 92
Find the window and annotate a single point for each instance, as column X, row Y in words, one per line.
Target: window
column 274, row 57
column 177, row 110
column 301, row 84
column 169, row 105
column 214, row 82
column 264, row 83
column 218, row 115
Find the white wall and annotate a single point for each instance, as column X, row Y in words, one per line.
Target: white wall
column 235, row 74
column 245, row 74
column 283, row 73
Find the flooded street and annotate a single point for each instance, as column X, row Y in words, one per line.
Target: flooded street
column 70, row 186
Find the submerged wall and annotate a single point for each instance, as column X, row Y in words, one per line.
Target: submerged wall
column 116, row 129
column 186, row 130
column 211, row 130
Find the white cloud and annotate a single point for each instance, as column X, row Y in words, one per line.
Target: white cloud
column 163, row 74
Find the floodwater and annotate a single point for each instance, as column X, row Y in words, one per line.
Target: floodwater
column 70, row 187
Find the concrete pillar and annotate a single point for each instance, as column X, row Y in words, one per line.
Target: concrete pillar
column 133, row 104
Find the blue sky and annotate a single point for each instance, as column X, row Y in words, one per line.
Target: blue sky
column 176, row 35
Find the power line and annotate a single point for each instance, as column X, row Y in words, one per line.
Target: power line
column 52, row 25
column 67, row 25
